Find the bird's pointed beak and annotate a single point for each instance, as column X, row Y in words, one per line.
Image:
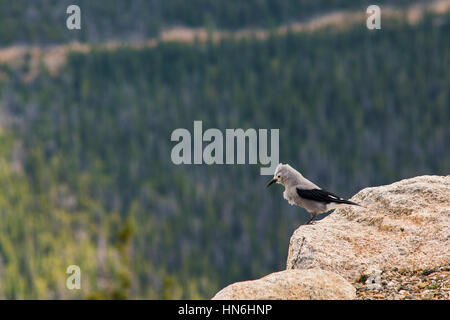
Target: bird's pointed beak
column 271, row 182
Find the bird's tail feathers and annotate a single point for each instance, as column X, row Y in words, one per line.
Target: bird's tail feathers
column 343, row 201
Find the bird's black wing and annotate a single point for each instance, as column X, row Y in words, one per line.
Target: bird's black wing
column 321, row 195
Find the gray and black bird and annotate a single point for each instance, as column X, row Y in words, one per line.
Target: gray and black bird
column 303, row 193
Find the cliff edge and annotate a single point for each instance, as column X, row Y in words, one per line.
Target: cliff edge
column 395, row 247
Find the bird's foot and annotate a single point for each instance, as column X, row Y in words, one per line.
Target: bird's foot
column 310, row 221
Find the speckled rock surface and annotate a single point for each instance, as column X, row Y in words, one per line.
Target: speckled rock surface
column 312, row 284
column 404, row 284
column 404, row 225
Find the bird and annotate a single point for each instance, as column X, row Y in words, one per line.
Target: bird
column 303, row 193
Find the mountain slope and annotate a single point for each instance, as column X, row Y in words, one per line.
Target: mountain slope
column 96, row 152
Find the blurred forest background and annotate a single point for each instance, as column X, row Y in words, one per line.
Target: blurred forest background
column 85, row 170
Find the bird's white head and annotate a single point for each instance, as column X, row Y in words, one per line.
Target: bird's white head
column 284, row 174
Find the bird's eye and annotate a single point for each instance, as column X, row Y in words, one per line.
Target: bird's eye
column 279, row 176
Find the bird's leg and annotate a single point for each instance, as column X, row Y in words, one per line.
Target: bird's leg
column 310, row 220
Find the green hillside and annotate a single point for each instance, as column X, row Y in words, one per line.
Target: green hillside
column 98, row 189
